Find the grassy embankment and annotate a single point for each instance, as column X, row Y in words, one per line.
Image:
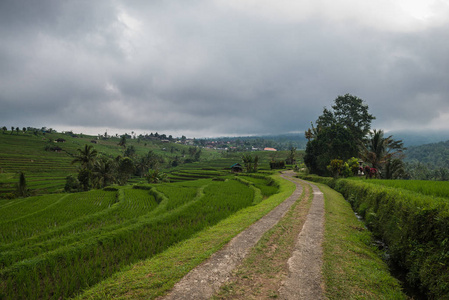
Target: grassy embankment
column 414, row 225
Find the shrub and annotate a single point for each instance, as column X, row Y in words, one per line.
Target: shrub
column 72, row 184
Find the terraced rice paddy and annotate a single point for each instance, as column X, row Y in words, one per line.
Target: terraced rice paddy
column 425, row 187
column 56, row 245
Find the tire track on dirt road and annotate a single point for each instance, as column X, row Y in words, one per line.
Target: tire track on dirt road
column 203, row 281
column 305, row 278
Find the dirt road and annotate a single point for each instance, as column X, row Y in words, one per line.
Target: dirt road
column 304, row 278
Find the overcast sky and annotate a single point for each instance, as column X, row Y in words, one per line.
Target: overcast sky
column 221, row 67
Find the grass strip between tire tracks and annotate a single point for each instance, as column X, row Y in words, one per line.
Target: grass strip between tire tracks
column 261, row 273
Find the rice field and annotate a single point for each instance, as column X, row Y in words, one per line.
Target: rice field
column 54, row 246
column 425, row 187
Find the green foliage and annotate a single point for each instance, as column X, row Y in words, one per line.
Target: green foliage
column 277, row 164
column 156, row 176
column 251, row 163
column 85, row 157
column 125, row 169
column 383, row 154
column 428, row 162
column 338, row 133
column 353, row 165
column 84, row 176
column 72, row 184
column 330, row 143
column 335, row 167
column 291, row 158
column 434, row 155
column 345, row 169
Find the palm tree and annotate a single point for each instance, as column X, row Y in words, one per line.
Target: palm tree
column 379, row 150
column 248, row 161
column 103, row 172
column 86, row 157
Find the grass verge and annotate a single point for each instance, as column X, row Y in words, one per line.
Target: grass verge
column 155, row 276
column 352, row 267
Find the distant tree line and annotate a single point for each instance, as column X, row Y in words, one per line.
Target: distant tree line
column 428, row 162
column 29, row 130
column 98, row 170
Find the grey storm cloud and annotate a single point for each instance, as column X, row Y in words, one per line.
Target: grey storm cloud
column 221, row 67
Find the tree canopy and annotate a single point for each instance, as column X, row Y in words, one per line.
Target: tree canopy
column 337, row 134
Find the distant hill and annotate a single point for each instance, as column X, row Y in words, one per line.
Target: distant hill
column 436, row 155
column 414, row 138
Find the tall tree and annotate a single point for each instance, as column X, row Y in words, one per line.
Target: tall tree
column 125, row 169
column 291, row 156
column 22, row 190
column 248, row 162
column 103, row 172
column 337, row 134
column 85, row 157
column 352, row 113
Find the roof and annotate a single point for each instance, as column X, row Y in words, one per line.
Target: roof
column 269, row 149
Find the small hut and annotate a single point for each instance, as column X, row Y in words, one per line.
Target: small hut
column 236, row 168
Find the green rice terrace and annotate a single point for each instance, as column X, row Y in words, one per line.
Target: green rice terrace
column 58, row 244
column 46, row 163
column 55, row 244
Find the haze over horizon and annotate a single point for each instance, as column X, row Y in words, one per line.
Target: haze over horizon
column 221, row 68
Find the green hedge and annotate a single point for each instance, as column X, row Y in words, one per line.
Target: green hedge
column 415, row 227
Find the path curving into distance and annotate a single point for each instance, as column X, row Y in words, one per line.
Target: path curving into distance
column 206, row 279
column 305, row 279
